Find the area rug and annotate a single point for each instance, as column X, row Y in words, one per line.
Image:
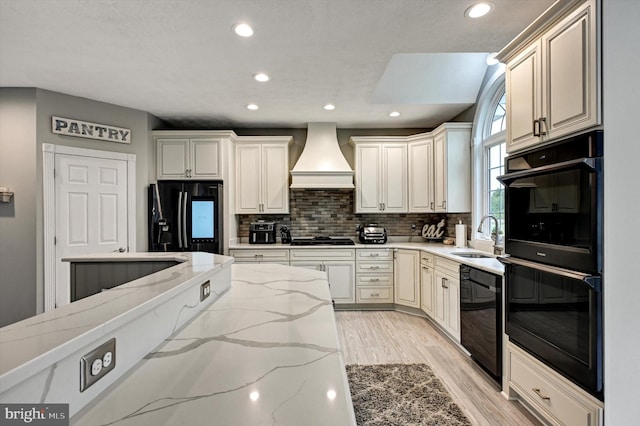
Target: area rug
column 402, row 395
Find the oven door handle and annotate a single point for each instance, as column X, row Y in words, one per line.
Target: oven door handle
column 591, row 163
column 593, row 281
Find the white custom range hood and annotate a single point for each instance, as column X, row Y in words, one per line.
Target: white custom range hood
column 321, row 164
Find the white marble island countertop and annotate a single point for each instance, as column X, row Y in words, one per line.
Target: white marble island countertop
column 265, row 353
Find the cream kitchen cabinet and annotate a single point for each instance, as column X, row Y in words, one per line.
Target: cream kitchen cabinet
column 447, row 296
column 262, row 175
column 374, row 275
column 452, row 167
column 381, row 175
column 427, row 284
column 421, row 175
column 553, row 397
column 188, row 158
column 553, row 77
column 407, row 278
column 339, row 265
column 278, row 256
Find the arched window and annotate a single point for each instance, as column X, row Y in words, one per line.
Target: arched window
column 499, row 121
column 489, row 153
column 494, row 152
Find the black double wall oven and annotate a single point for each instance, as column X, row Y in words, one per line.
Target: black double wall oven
column 553, row 271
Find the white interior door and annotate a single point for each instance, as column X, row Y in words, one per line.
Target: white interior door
column 90, row 210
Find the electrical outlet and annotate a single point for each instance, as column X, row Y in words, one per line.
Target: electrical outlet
column 205, row 290
column 97, row 363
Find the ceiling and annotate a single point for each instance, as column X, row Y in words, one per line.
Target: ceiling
column 181, row 61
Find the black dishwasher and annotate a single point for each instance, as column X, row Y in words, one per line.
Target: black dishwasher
column 481, row 317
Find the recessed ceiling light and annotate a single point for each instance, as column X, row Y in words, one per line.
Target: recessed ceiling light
column 478, row 10
column 243, row 30
column 329, row 107
column 491, row 58
column 394, row 114
column 261, row 77
column 252, row 107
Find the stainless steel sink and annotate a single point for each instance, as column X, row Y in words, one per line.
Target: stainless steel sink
column 474, row 255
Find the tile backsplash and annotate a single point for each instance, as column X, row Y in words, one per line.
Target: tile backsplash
column 331, row 213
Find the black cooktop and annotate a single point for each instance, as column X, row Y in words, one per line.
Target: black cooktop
column 316, row 241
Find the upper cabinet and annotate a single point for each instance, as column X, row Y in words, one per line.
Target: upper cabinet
column 189, row 155
column 452, row 167
column 188, row 158
column 381, row 175
column 262, row 174
column 553, row 76
column 423, row 173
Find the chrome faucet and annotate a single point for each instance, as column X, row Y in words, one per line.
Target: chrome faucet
column 494, row 235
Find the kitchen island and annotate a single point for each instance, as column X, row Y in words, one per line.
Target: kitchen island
column 41, row 358
column 265, row 353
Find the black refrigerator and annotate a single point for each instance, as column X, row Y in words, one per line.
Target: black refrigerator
column 185, row 216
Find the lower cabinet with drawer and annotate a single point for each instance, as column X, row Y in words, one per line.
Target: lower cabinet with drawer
column 553, row 397
column 427, row 284
column 339, row 265
column 447, row 295
column 374, row 275
column 260, row 256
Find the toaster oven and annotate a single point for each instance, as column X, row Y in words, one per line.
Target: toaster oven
column 372, row 234
column 262, row 232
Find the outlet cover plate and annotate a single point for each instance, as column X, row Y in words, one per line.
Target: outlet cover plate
column 107, row 349
column 205, row 290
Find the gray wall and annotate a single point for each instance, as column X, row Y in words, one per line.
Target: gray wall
column 621, row 91
column 18, row 221
column 26, row 113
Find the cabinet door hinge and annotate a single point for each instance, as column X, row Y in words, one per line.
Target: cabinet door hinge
column 55, row 240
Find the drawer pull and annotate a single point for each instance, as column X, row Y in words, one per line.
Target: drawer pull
column 375, row 279
column 544, row 397
column 375, row 294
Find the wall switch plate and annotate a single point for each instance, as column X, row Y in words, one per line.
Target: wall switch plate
column 205, row 290
column 97, row 363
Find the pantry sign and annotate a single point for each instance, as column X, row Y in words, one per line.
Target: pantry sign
column 85, row 129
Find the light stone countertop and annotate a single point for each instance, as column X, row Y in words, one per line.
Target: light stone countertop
column 265, row 353
column 490, row 264
column 31, row 345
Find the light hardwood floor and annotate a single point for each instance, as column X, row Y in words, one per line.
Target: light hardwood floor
column 388, row 337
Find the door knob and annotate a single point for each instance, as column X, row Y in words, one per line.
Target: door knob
column 120, row 250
